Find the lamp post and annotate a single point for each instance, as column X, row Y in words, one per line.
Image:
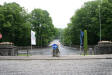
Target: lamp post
column 41, row 34
column 100, row 2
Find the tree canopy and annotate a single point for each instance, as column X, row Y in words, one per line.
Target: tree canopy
column 14, row 24
column 87, row 17
column 41, row 23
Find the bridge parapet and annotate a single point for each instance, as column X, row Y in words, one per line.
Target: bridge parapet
column 103, row 47
column 7, row 49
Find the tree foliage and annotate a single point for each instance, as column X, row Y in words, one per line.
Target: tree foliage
column 87, row 17
column 42, row 25
column 14, row 24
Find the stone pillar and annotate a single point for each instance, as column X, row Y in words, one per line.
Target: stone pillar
column 103, row 47
column 7, row 49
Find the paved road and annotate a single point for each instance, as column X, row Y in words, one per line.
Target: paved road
column 56, row 67
column 64, row 50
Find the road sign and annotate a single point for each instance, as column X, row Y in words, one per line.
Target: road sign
column 0, row 36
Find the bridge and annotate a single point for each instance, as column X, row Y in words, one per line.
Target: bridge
column 64, row 65
column 70, row 62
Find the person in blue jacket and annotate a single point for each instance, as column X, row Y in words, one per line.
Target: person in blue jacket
column 55, row 50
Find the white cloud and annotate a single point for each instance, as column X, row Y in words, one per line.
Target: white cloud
column 60, row 10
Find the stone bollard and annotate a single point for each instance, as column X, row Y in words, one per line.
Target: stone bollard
column 91, row 52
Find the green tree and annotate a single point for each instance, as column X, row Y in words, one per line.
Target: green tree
column 14, row 24
column 87, row 17
column 58, row 33
column 42, row 25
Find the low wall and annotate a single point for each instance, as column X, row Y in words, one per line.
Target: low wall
column 8, row 50
column 103, row 48
column 27, row 47
column 78, row 46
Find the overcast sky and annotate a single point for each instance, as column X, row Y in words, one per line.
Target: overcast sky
column 60, row 10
